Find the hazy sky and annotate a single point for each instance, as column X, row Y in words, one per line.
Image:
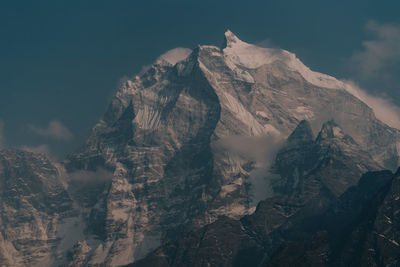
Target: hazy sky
column 60, row 61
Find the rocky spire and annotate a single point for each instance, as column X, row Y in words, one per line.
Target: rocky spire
column 329, row 130
column 302, row 133
column 230, row 39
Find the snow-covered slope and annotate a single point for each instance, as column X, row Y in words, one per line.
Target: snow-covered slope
column 192, row 141
column 193, row 137
column 252, row 57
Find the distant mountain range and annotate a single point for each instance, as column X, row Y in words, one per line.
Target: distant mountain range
column 223, row 156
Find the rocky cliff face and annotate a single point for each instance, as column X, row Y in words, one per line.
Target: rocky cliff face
column 169, row 137
column 185, row 142
column 172, row 137
column 360, row 229
column 314, row 175
column 34, row 207
column 357, row 229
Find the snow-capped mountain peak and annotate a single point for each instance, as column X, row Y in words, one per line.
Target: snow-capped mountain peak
column 252, row 57
column 249, row 55
column 331, row 130
column 231, row 39
column 189, row 140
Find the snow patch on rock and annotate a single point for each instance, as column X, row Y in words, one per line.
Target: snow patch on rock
column 242, row 114
column 239, row 73
column 147, row 118
column 262, row 114
column 303, row 113
column 269, row 129
column 337, row 132
column 226, row 189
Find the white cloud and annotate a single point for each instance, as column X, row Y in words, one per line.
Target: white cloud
column 175, row 55
column 376, row 65
column 379, row 53
column 85, row 178
column 383, row 108
column 55, row 129
column 262, row 151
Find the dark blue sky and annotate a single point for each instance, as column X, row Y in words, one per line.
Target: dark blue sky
column 62, row 60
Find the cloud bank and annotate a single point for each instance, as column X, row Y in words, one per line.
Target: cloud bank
column 101, row 175
column 382, row 51
column 376, row 67
column 262, row 151
column 55, row 129
column 383, row 108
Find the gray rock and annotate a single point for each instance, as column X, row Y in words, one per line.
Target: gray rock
column 34, row 203
column 172, row 137
column 181, row 145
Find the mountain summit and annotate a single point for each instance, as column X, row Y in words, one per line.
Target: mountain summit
column 193, row 138
column 302, row 133
column 162, row 132
column 230, row 39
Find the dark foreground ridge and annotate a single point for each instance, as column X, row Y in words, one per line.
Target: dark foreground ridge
column 360, row 228
column 314, row 222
